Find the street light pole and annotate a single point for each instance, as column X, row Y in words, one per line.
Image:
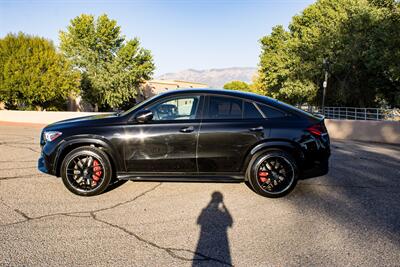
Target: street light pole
column 325, row 84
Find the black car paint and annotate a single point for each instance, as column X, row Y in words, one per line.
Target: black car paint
column 197, row 150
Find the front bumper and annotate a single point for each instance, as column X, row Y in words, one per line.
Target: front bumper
column 44, row 166
column 47, row 160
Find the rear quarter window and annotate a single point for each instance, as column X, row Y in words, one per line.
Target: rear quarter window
column 271, row 112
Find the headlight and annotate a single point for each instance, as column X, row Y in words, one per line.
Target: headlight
column 51, row 135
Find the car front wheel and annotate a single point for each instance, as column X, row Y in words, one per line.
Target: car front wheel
column 273, row 173
column 86, row 171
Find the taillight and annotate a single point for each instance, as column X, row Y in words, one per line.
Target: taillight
column 317, row 129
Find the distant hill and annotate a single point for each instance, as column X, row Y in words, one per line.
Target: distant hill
column 212, row 77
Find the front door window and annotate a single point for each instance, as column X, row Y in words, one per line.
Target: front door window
column 176, row 109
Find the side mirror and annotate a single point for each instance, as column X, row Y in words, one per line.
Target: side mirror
column 144, row 116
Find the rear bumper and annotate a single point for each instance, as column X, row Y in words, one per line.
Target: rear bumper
column 315, row 168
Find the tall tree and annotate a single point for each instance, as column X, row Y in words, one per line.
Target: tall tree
column 33, row 75
column 112, row 68
column 360, row 39
column 237, row 85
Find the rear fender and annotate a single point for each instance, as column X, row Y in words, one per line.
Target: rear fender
column 291, row 147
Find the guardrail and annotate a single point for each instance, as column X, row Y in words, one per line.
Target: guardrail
column 353, row 113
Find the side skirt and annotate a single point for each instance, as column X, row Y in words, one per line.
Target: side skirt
column 168, row 177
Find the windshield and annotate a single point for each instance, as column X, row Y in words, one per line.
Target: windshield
column 138, row 105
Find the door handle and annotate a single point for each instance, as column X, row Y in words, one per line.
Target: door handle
column 257, row 129
column 188, row 129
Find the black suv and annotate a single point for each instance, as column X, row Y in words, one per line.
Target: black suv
column 189, row 135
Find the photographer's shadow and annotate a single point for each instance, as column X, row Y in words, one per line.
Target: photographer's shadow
column 214, row 221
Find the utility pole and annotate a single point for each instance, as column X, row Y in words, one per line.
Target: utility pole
column 325, row 83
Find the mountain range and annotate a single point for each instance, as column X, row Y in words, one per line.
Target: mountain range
column 212, row 77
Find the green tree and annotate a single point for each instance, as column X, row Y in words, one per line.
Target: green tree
column 112, row 68
column 277, row 72
column 33, row 75
column 360, row 38
column 237, row 85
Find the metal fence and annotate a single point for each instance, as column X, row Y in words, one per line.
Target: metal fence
column 352, row 113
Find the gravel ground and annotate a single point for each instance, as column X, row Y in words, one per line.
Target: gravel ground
column 350, row 217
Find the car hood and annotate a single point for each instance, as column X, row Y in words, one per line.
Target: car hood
column 98, row 119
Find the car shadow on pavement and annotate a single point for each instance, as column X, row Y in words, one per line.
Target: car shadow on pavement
column 214, row 221
column 360, row 192
column 114, row 185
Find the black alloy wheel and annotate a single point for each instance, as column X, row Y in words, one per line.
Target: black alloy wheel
column 273, row 174
column 86, row 171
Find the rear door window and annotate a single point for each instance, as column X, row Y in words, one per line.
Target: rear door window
column 224, row 108
column 251, row 112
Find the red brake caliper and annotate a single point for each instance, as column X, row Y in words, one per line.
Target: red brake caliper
column 263, row 176
column 96, row 170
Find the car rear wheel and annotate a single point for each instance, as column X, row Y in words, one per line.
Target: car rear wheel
column 86, row 171
column 273, row 173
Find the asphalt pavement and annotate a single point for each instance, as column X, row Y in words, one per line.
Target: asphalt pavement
column 350, row 217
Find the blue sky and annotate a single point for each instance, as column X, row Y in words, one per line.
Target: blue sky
column 181, row 34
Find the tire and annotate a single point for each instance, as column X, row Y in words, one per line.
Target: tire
column 248, row 184
column 97, row 176
column 274, row 181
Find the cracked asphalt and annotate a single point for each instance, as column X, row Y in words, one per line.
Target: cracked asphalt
column 350, row 217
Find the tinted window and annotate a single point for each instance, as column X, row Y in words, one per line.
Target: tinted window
column 270, row 112
column 251, row 112
column 224, row 108
column 176, row 109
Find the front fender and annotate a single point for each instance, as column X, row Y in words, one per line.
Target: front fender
column 75, row 141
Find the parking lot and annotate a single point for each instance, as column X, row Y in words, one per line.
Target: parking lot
column 349, row 217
